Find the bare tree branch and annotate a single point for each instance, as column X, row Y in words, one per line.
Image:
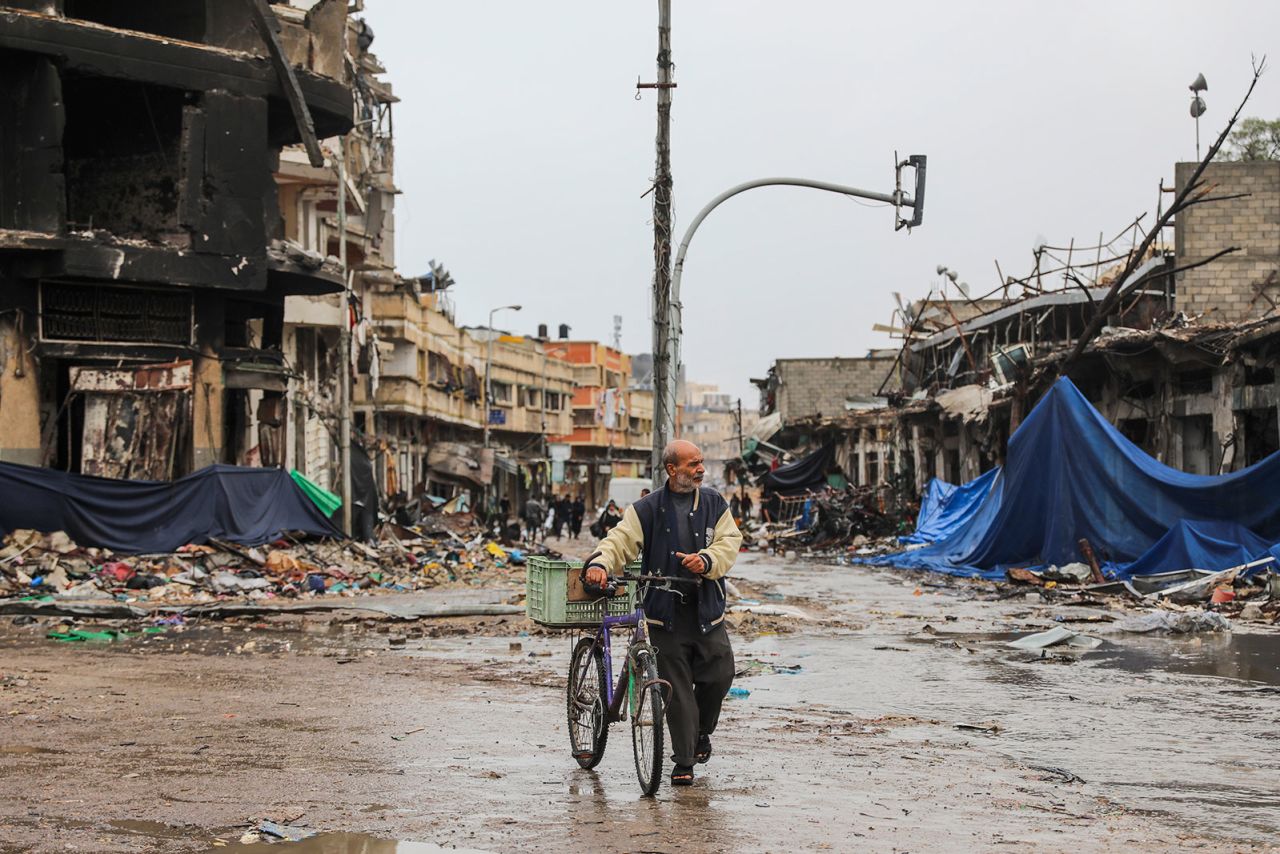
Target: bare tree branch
column 1193, row 186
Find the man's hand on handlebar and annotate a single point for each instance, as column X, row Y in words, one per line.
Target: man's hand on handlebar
column 693, row 562
column 596, row 576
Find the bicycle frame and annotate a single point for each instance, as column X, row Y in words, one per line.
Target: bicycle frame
column 639, row 636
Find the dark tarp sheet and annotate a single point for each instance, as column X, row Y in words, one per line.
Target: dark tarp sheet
column 945, row 507
column 806, row 473
column 243, row 505
column 1071, row 475
column 1199, row 545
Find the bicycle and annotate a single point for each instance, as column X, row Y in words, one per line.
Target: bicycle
column 593, row 701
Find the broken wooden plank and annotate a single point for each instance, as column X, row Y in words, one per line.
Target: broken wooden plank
column 267, row 23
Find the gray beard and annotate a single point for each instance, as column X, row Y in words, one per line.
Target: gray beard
column 682, row 483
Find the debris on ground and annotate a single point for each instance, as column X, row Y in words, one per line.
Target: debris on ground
column 449, row 550
column 1055, row 637
column 1183, row 622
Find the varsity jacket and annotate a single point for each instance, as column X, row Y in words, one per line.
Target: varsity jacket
column 647, row 529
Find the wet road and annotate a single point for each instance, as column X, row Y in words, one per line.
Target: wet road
column 848, row 739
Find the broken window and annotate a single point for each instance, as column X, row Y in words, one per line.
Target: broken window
column 1261, row 434
column 305, row 342
column 1197, row 444
column 1138, row 431
column 439, row 371
column 1259, row 374
column 1195, row 381
column 951, row 458
column 121, row 145
column 110, row 314
column 1139, row 390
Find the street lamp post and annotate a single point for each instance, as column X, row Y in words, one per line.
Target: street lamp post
column 665, row 385
column 488, row 369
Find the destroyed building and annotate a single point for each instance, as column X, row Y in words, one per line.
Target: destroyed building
column 1184, row 365
column 196, row 203
column 611, row 431
column 143, row 265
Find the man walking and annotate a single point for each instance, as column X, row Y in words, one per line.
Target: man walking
column 684, row 530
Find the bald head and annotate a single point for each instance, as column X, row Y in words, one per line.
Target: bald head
column 677, row 449
column 683, row 462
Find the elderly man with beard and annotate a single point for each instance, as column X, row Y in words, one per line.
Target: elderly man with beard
column 683, row 530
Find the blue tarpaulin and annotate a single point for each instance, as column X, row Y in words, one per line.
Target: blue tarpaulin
column 1070, row 475
column 242, row 505
column 946, row 506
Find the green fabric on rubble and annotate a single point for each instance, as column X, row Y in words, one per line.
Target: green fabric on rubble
column 81, row 635
column 320, row 497
column 78, row 635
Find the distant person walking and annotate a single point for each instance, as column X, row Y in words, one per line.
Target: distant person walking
column 533, row 518
column 577, row 512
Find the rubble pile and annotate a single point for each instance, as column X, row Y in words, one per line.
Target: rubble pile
column 836, row 521
column 1177, row 596
column 446, row 550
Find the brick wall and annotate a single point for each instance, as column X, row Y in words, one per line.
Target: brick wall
column 1244, row 284
column 811, row 387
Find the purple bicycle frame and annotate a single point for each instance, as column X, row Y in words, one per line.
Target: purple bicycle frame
column 640, row 634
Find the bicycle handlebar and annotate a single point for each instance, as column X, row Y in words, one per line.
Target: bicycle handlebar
column 626, row 576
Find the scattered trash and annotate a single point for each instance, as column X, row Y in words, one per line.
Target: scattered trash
column 756, row 667
column 407, row 734
column 770, row 611
column 1179, row 622
column 1071, row 573
column 735, row 691
column 287, row 832
column 989, row 729
column 1056, row 775
column 1055, row 637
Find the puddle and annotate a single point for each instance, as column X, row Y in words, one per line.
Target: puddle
column 345, row 843
column 1250, row 658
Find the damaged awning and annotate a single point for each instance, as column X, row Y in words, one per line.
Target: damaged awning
column 462, row 461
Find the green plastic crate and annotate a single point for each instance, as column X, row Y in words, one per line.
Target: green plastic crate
column 547, row 602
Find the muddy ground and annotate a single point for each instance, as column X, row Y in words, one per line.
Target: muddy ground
column 887, row 716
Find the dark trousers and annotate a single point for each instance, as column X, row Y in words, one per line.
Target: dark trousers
column 700, row 669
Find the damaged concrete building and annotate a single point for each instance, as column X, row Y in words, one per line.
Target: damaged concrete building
column 143, row 263
column 1185, row 366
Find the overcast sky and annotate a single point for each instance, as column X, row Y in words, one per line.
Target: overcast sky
column 523, row 154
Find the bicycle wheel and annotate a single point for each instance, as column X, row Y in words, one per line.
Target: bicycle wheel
column 588, row 724
column 646, row 722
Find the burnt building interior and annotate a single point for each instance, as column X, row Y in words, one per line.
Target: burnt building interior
column 142, row 270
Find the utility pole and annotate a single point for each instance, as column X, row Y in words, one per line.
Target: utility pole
column 742, row 486
column 665, row 365
column 344, row 341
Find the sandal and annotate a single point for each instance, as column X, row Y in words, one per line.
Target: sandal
column 682, row 775
column 703, row 751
